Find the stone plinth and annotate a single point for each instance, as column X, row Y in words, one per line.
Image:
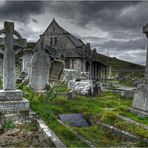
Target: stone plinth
column 14, row 106
column 11, row 95
column 140, row 101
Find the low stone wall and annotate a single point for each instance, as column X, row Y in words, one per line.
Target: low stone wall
column 49, row 135
column 124, row 93
column 77, row 135
column 122, row 134
column 46, row 133
column 133, row 122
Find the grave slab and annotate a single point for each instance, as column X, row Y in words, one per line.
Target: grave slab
column 76, row 120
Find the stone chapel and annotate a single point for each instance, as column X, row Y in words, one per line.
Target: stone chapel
column 60, row 44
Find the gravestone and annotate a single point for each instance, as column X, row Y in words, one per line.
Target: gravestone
column 140, row 101
column 56, row 70
column 27, row 55
column 76, row 120
column 39, row 71
column 110, row 72
column 1, row 66
column 11, row 100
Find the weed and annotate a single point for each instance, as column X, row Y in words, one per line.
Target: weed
column 8, row 124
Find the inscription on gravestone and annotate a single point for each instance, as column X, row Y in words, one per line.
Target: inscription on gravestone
column 39, row 71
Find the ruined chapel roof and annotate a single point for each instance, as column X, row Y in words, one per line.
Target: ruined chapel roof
column 77, row 42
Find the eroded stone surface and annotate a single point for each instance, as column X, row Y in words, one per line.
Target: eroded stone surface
column 84, row 87
column 140, row 100
column 9, row 73
column 56, row 69
column 70, row 74
column 14, row 106
column 11, row 95
column 39, row 72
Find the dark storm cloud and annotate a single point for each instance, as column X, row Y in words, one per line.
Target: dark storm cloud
column 113, row 17
column 119, row 23
column 20, row 10
column 124, row 45
column 99, row 13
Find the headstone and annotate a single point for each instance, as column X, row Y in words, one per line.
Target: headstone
column 1, row 66
column 110, row 72
column 140, row 101
column 27, row 55
column 56, row 70
column 11, row 100
column 39, row 71
column 75, row 120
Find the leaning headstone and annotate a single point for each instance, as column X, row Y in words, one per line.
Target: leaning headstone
column 39, row 71
column 56, row 70
column 11, row 100
column 140, row 101
column 76, row 120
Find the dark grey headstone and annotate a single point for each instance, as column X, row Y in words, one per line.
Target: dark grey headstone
column 76, row 120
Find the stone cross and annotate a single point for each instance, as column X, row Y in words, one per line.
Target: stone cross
column 145, row 30
column 9, row 74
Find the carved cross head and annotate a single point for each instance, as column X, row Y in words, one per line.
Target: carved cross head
column 12, row 39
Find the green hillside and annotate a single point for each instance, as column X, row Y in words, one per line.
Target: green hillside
column 118, row 64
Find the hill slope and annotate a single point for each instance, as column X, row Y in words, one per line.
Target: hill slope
column 118, row 64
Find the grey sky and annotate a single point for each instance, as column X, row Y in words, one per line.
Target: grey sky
column 114, row 28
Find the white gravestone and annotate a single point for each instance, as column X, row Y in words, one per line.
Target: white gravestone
column 39, row 71
column 10, row 98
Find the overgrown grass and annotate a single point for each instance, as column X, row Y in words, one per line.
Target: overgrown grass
column 44, row 106
column 61, row 88
column 143, row 120
column 104, row 107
